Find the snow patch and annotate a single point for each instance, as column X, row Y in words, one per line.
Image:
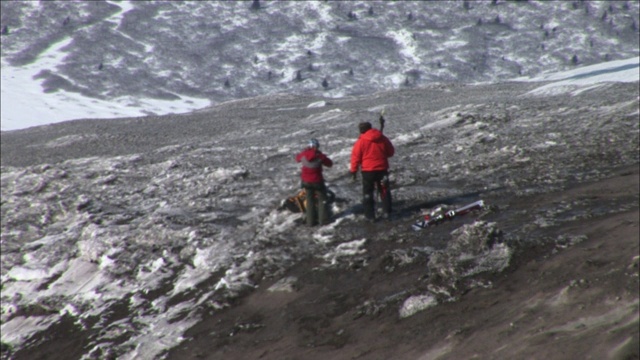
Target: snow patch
column 417, row 303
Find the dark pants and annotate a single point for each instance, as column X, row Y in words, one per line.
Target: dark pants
column 370, row 181
column 316, row 208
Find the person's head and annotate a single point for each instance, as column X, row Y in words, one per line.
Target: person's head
column 314, row 144
column 364, row 127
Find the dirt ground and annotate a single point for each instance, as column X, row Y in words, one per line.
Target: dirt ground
column 557, row 300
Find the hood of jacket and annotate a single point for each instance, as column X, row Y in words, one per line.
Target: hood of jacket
column 372, row 135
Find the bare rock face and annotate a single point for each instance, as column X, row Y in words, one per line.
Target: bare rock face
column 473, row 249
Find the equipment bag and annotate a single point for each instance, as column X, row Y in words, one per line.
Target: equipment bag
column 298, row 202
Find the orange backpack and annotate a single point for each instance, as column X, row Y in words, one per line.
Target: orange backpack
column 298, row 202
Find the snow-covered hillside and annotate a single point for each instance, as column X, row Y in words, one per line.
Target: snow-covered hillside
column 159, row 57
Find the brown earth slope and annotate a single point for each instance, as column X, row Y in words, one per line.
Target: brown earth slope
column 571, row 296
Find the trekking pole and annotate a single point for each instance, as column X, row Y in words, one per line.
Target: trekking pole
column 382, row 189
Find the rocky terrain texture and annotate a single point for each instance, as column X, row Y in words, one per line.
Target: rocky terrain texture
column 549, row 269
column 573, row 293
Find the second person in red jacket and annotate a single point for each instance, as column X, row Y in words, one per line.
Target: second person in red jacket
column 312, row 160
column 370, row 153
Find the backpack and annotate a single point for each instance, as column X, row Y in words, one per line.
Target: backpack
column 298, row 202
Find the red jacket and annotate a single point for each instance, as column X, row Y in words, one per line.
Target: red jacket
column 371, row 151
column 312, row 161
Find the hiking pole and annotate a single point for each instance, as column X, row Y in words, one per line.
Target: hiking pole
column 382, row 189
column 379, row 183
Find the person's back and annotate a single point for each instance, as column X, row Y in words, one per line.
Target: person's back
column 312, row 161
column 370, row 154
column 312, row 181
column 372, row 151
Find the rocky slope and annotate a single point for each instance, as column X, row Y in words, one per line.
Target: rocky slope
column 161, row 236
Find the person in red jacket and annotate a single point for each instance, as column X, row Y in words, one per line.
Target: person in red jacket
column 370, row 153
column 313, row 160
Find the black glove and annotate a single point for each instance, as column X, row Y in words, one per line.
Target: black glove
column 353, row 176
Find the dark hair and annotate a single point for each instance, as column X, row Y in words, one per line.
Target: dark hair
column 364, row 127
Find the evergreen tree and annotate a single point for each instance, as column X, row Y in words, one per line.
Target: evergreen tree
column 227, row 83
column 255, row 5
column 5, row 30
column 298, row 76
column 325, row 83
column 574, row 60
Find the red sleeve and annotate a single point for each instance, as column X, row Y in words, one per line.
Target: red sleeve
column 325, row 160
column 389, row 147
